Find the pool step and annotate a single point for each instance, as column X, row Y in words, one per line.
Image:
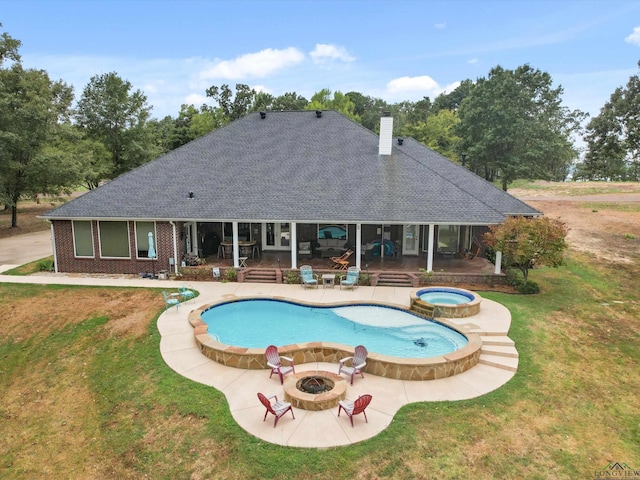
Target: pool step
column 499, row 361
column 502, row 340
column 500, row 350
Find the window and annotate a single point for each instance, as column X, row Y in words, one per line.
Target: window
column 114, row 239
column 142, row 238
column 82, row 238
column 448, row 237
column 332, row 231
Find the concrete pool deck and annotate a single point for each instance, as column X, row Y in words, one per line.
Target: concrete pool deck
column 313, row 429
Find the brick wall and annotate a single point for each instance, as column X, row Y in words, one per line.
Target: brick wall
column 67, row 261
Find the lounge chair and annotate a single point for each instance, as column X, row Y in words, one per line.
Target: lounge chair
column 355, row 408
column 307, row 277
column 350, row 280
column 354, row 365
column 274, row 360
column 278, row 408
column 341, row 262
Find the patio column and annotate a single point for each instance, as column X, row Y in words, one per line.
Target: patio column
column 498, row 267
column 358, row 244
column 430, row 248
column 236, row 247
column 294, row 245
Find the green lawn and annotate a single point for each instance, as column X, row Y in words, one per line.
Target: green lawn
column 85, row 394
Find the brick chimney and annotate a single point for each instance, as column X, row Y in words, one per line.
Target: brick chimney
column 386, row 132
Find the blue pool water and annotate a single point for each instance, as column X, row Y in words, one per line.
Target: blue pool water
column 258, row 323
column 444, row 296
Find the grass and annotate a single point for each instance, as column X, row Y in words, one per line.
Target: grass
column 86, row 394
column 574, row 188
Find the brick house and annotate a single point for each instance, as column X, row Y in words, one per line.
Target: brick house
column 281, row 182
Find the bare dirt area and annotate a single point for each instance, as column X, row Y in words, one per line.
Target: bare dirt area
column 603, row 218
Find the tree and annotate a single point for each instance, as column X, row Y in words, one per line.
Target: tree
column 613, row 138
column 288, row 102
column 438, row 133
column 369, row 110
column 111, row 113
column 452, row 101
column 528, row 242
column 512, row 124
column 233, row 106
column 34, row 114
column 323, row 100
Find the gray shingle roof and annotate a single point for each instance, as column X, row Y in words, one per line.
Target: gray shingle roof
column 293, row 166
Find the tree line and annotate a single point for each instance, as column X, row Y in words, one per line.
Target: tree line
column 510, row 124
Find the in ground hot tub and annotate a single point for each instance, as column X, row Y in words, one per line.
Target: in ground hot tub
column 446, row 302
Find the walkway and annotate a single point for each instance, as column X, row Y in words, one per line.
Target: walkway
column 321, row 429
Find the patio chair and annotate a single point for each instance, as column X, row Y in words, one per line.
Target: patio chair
column 186, row 293
column 278, row 408
column 304, row 249
column 353, row 365
column 307, row 277
column 355, row 408
column 274, row 360
column 170, row 301
column 350, row 280
column 341, row 262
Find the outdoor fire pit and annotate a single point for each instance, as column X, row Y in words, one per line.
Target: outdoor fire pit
column 314, row 390
column 314, row 384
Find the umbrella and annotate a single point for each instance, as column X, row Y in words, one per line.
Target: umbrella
column 152, row 253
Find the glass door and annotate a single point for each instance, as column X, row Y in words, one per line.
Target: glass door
column 410, row 240
column 276, row 236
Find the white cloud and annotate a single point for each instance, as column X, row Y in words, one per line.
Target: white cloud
column 325, row 52
column 260, row 64
column 424, row 84
column 634, row 38
column 440, row 26
column 473, row 61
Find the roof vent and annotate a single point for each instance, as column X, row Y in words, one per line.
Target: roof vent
column 318, row 113
column 400, row 140
column 190, row 194
column 263, row 115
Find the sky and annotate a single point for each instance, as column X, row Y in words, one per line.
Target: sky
column 395, row 50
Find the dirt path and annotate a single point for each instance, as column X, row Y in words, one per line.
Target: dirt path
column 604, row 218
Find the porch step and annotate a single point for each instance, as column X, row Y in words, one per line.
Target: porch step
column 498, row 361
column 260, row 276
column 390, row 279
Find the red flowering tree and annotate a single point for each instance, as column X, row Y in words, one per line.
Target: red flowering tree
column 527, row 242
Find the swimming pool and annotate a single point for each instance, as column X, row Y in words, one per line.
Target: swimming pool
column 258, row 323
column 388, row 366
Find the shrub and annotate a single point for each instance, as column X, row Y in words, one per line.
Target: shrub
column 528, row 288
column 291, row 277
column 425, row 275
column 45, row 265
column 231, row 274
